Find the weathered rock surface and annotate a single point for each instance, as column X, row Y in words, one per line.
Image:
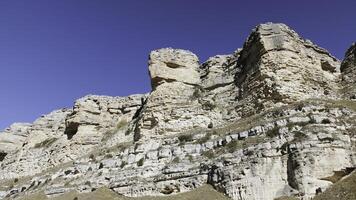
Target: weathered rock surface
column 172, row 65
column 173, row 105
column 13, row 138
column 277, row 66
column 348, row 70
column 272, row 119
column 64, row 135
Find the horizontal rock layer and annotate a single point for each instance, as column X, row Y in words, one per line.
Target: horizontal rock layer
column 275, row 118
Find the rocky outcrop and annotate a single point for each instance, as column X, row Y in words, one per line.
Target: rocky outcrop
column 173, row 105
column 348, row 70
column 64, row 135
column 94, row 117
column 269, row 120
column 13, row 138
column 277, row 66
column 172, row 65
column 27, row 158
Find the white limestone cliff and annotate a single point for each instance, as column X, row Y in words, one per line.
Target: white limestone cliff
column 275, row 118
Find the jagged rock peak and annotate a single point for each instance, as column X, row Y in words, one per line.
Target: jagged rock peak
column 279, row 36
column 348, row 70
column 350, row 58
column 173, row 65
column 351, row 50
column 277, row 65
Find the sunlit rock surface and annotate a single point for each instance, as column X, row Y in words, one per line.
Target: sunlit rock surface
column 274, row 118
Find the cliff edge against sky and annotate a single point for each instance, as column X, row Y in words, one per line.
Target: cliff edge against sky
column 273, row 119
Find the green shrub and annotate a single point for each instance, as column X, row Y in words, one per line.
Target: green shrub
column 299, row 136
column 67, row 184
column 121, row 124
column 232, row 146
column 274, row 132
column 291, row 125
column 204, row 139
column 196, row 94
column 123, row 164
column 286, row 198
column 209, row 106
column 92, row 157
column 312, row 119
column 240, row 144
column 140, row 162
column 185, row 138
column 109, row 155
column 167, row 190
column 176, row 160
column 46, row 143
column 249, row 153
column 107, row 135
column 209, row 154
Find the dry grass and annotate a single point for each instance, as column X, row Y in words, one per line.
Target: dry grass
column 341, row 190
column 336, row 103
column 287, row 198
column 46, row 143
column 242, row 144
column 338, row 175
column 205, row 192
column 121, row 125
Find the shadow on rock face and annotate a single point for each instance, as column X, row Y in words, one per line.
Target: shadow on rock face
column 2, row 156
column 71, row 130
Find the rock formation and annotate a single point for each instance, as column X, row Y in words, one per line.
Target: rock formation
column 348, row 70
column 275, row 118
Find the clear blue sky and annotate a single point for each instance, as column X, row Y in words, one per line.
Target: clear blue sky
column 55, row 51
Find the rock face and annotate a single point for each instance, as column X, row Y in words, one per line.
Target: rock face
column 173, row 105
column 172, row 65
column 275, row 118
column 64, row 135
column 348, row 69
column 13, row 138
column 277, row 66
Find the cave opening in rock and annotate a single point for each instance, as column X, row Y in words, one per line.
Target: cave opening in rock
column 71, row 130
column 2, row 156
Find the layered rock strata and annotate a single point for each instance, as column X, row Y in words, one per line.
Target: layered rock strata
column 275, row 118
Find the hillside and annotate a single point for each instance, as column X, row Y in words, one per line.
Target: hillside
column 274, row 119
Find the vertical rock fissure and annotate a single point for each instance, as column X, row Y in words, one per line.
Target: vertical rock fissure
column 291, row 167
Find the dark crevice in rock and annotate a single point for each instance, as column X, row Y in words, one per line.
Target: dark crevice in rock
column 173, row 65
column 135, row 119
column 71, row 130
column 292, row 165
column 159, row 81
column 2, row 156
column 139, row 110
column 326, row 66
